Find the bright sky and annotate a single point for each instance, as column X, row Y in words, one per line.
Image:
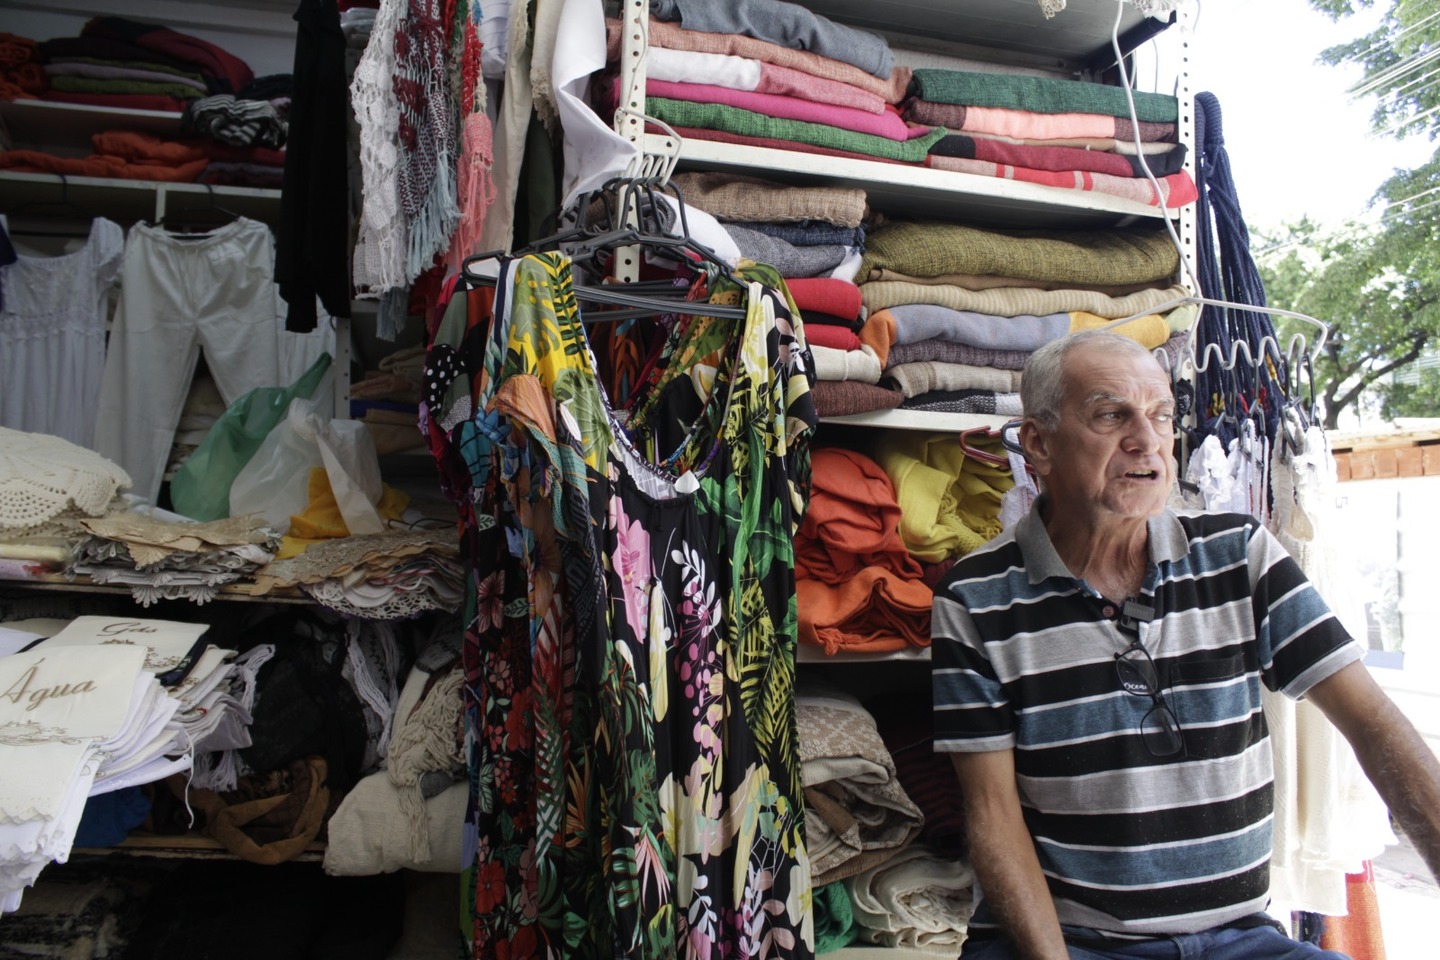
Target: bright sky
column 1297, row 142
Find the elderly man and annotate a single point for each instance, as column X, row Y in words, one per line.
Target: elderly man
column 1097, row 677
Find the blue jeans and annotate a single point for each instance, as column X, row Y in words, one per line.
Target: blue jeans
column 1257, row 943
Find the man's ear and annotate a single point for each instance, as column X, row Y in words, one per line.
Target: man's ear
column 1035, row 441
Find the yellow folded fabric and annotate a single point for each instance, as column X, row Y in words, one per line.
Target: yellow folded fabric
column 949, row 501
column 321, row 519
column 1149, row 331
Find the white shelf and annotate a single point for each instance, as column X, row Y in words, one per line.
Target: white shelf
column 903, row 190
column 870, row 952
column 810, row 653
column 65, row 128
column 931, row 420
column 49, row 196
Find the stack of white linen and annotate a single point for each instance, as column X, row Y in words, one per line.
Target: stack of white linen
column 103, row 704
column 64, row 714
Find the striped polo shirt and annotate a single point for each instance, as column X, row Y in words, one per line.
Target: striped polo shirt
column 1024, row 658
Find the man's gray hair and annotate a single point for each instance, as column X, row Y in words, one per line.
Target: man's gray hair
column 1042, row 382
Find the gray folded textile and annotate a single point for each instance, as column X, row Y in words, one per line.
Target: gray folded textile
column 790, row 260
column 948, row 351
column 786, row 24
column 809, row 233
column 922, row 321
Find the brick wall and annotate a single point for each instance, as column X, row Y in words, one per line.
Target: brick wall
column 1380, row 458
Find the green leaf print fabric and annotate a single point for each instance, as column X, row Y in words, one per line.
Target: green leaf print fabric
column 630, row 642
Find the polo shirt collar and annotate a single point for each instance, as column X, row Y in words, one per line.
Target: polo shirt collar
column 1167, row 543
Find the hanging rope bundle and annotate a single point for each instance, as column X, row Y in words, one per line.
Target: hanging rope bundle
column 1227, row 271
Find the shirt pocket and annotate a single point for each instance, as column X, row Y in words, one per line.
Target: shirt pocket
column 1210, row 669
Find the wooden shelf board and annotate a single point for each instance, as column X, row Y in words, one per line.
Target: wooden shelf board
column 229, row 592
column 56, row 127
column 186, row 846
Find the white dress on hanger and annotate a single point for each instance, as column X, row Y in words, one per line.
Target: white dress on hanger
column 52, row 336
column 1328, row 817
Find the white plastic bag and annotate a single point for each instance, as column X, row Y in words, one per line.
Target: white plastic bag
column 275, row 483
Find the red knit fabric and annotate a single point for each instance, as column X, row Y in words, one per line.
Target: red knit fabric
column 1357, row 935
column 837, row 338
column 840, row 298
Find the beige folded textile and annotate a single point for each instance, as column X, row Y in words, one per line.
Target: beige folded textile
column 971, row 281
column 729, row 196
column 858, row 813
column 149, row 541
column 1015, row 302
column 924, row 376
column 917, row 900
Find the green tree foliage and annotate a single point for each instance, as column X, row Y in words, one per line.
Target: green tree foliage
column 1382, row 319
column 1378, row 286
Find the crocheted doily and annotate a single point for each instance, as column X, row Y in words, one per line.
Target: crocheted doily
column 337, row 557
column 42, row 475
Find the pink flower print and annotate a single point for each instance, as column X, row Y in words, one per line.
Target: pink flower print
column 530, row 888
column 489, row 602
column 502, row 678
column 632, row 566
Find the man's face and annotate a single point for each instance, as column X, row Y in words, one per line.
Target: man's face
column 1111, row 455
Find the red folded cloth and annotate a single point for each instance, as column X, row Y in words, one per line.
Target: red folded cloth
column 230, row 72
column 838, row 338
column 839, row 298
column 33, row 161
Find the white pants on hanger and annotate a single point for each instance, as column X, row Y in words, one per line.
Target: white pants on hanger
column 179, row 293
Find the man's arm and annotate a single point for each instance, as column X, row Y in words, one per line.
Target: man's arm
column 1390, row 750
column 1003, row 855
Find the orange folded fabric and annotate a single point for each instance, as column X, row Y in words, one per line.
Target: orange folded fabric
column 878, row 333
column 21, row 76
column 34, row 161
column 873, row 612
column 857, row 588
column 853, row 520
column 140, row 147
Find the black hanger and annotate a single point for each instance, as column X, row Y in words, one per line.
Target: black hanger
column 648, row 231
column 617, row 200
column 212, row 207
column 65, row 203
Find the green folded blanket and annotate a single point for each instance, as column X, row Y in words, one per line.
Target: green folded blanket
column 1114, row 256
column 835, row 926
column 1039, row 94
column 70, row 84
column 715, row 116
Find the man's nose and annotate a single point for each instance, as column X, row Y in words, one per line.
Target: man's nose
column 1143, row 436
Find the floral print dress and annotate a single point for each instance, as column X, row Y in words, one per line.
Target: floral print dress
column 630, row 638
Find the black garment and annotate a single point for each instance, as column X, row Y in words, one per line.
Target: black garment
column 217, row 910
column 312, row 243
column 7, row 257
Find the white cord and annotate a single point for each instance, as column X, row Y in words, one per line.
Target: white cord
column 1320, row 326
